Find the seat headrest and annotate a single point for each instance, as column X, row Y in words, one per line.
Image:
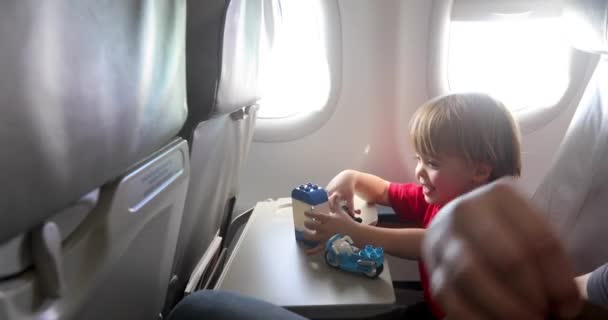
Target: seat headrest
column 587, row 24
column 241, row 54
column 87, row 89
column 223, row 56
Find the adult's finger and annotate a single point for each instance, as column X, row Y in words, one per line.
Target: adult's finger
column 545, row 250
column 470, row 277
column 457, row 308
column 501, row 249
column 478, row 219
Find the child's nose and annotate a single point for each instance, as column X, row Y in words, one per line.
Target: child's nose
column 419, row 171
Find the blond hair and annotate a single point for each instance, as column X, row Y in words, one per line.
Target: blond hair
column 472, row 125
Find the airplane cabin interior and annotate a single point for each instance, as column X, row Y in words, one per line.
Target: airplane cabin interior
column 158, row 148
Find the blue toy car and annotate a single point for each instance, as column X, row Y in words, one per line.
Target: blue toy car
column 341, row 253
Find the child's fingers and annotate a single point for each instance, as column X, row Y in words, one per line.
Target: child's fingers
column 315, row 250
column 321, row 217
column 314, row 236
column 311, row 235
column 334, row 202
column 350, row 203
column 313, row 225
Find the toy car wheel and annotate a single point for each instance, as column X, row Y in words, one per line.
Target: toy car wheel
column 332, row 261
column 375, row 272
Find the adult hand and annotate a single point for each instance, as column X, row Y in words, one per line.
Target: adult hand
column 491, row 255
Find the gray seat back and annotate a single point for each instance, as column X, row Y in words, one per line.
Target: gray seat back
column 575, row 190
column 93, row 178
column 223, row 54
column 88, row 90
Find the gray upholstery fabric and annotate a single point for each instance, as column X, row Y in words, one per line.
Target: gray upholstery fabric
column 574, row 193
column 218, row 153
column 204, row 36
column 597, row 286
column 88, row 88
column 223, row 51
column 223, row 57
column 241, row 54
column 587, row 24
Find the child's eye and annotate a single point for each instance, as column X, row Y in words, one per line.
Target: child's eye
column 432, row 164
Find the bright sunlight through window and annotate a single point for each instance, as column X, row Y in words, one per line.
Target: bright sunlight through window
column 523, row 63
column 296, row 77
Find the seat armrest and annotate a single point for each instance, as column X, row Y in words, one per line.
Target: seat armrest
column 387, row 218
column 408, row 285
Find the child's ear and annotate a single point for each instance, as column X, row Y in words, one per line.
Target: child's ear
column 482, row 172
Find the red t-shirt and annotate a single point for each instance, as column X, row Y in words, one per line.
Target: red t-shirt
column 408, row 202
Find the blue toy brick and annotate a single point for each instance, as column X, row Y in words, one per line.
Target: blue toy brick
column 310, row 193
column 372, row 253
column 368, row 261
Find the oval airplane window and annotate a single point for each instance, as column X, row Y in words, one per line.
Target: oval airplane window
column 522, row 62
column 300, row 79
column 513, row 50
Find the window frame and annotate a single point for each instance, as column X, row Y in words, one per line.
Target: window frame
column 530, row 119
column 302, row 124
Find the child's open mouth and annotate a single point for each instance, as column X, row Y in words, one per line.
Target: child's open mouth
column 426, row 189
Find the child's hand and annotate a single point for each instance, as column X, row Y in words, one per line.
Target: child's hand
column 342, row 189
column 324, row 226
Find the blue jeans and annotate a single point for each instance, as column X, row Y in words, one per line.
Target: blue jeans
column 220, row 305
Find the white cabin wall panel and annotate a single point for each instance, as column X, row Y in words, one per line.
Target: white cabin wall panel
column 411, row 79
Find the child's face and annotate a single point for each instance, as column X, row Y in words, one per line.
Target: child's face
column 444, row 178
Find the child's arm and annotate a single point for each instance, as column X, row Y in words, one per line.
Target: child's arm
column 348, row 183
column 403, row 243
